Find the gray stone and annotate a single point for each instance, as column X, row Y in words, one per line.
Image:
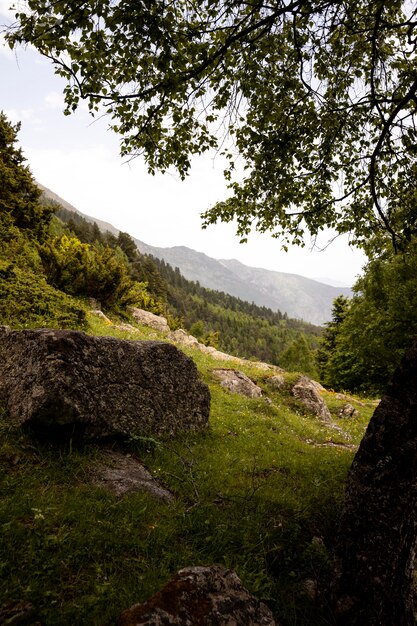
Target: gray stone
column 123, row 475
column 305, row 390
column 183, row 338
column 347, row 411
column 101, row 315
column 237, row 382
column 149, row 319
column 317, row 385
column 200, row 596
column 277, row 381
column 57, row 379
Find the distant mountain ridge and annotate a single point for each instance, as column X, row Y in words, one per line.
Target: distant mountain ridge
column 298, row 296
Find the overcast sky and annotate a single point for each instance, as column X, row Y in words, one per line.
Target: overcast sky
column 78, row 158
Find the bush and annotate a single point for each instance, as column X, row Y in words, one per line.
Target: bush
column 28, row 301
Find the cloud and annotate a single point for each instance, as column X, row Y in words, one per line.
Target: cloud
column 54, row 100
column 5, row 50
column 5, row 10
column 27, row 116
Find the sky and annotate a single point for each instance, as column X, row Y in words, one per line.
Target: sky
column 77, row 157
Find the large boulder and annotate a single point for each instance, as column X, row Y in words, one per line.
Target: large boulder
column 305, row 390
column 377, row 544
column 212, row 596
column 58, row 379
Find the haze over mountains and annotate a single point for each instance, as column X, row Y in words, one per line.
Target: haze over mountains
column 298, row 296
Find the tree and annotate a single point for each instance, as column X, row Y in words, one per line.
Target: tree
column 93, row 270
column 19, row 195
column 363, row 348
column 329, row 340
column 319, row 97
column 299, row 357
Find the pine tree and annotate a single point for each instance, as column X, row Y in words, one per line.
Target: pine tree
column 19, row 195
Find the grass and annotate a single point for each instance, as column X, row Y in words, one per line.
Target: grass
column 258, row 492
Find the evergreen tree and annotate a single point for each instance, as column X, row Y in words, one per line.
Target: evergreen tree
column 299, row 357
column 364, row 343
column 19, row 195
column 328, row 341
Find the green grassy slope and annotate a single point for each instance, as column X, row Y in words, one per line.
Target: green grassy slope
column 259, row 492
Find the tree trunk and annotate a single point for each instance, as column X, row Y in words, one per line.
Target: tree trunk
column 376, row 547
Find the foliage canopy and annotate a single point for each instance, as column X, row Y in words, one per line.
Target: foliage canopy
column 318, row 97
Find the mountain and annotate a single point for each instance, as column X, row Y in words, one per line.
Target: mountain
column 51, row 196
column 298, row 296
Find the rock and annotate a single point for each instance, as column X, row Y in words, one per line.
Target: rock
column 237, row 382
column 305, row 391
column 181, row 337
column 149, row 319
column 58, row 380
column 277, row 381
column 124, row 476
column 317, row 385
column 347, row 411
column 200, row 596
column 310, row 589
column 267, row 366
column 376, row 545
column 222, row 356
column 128, row 328
column 101, row 315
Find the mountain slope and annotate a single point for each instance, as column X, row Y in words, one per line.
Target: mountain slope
column 103, row 226
column 297, row 296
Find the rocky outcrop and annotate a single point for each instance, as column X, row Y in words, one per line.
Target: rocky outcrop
column 102, row 386
column 305, row 390
column 149, row 319
column 237, row 382
column 376, row 548
column 182, row 338
column 199, row 596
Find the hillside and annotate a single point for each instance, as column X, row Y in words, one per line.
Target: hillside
column 297, row 296
column 259, row 492
column 215, row 318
